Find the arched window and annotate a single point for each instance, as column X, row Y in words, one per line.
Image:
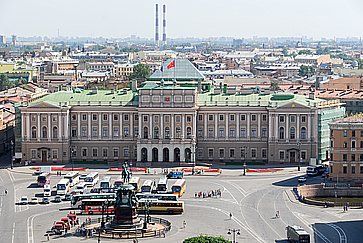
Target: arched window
column 155, row 155
column 167, row 132
column 55, row 132
column 303, row 133
column 146, row 133
column 281, row 133
column 188, row 155
column 34, row 132
column 292, row 133
column 144, row 155
column 156, row 133
column 44, row 132
column 189, row 132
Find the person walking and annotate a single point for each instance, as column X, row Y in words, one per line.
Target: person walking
column 6, row 192
column 277, row 214
column 230, row 215
column 184, row 224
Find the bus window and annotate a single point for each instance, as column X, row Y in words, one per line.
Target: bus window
column 162, row 185
column 147, row 186
column 179, row 187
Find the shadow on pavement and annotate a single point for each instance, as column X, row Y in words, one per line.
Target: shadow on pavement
column 281, row 241
column 342, row 231
column 290, row 182
column 33, row 185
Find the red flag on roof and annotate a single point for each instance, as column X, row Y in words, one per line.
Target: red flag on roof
column 171, row 65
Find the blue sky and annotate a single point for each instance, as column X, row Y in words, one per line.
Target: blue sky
column 186, row 18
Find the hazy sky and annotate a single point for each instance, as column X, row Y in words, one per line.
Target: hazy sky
column 186, row 18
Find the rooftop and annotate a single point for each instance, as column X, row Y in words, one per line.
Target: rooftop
column 357, row 118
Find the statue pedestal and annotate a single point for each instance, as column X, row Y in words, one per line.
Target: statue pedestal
column 126, row 217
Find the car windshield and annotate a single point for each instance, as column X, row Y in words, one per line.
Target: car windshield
column 61, row 187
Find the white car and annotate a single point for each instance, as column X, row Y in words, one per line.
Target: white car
column 24, row 200
column 33, row 200
column 47, row 192
column 302, row 179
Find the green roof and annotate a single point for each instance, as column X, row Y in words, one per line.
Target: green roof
column 263, row 100
column 183, row 70
column 89, row 97
column 152, row 85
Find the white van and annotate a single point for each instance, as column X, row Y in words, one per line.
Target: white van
column 47, row 192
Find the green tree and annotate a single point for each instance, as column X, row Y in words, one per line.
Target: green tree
column 206, row 239
column 141, row 72
column 306, row 71
column 4, row 82
column 305, row 52
column 274, row 86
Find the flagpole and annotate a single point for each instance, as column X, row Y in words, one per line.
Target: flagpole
column 174, row 69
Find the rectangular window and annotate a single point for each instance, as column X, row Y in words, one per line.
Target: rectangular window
column 210, row 153
column 104, row 152
column 104, row 132
column 345, row 169
column 54, row 118
column 221, row 153
column 232, row 117
column 282, row 155
column 264, row 153
column 136, row 117
column 282, row 118
column 345, row 145
column 253, row 153
column 243, row 153
column 126, row 117
column 200, row 153
column 115, row 152
column 353, row 157
column 345, row 157
column 115, row 117
column 33, row 153
column 94, row 152
column 94, row 117
column 54, row 153
column 353, row 169
column 264, row 132
column 243, row 117
column 361, row 169
column 84, row 131
column 231, row 153
column 243, row 133
column 94, row 132
column 145, row 118
column 116, row 132
column 254, row 133
column 292, row 118
column 345, row 133
column 253, row 117
column 200, row 117
column 84, row 152
column 126, row 152
column 210, row 132
column 353, row 144
column 189, row 119
column 177, row 118
column 303, row 155
column 210, row 117
column 264, row 117
column 126, row 132
column 105, row 117
column 221, row 117
column 221, row 132
column 232, row 133
column 361, row 144
column 361, row 133
column 167, row 119
column 200, row 132
column 353, row 133
column 84, row 117
column 74, row 132
column 361, row 157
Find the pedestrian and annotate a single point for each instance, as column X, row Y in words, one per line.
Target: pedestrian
column 47, row 236
column 230, row 215
column 184, row 224
column 6, row 192
column 277, row 214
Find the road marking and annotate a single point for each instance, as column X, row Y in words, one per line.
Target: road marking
column 30, row 222
column 12, row 237
column 12, row 179
column 342, row 236
column 235, row 200
column 237, row 187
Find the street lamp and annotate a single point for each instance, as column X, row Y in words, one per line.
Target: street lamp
column 146, row 208
column 234, row 233
column 11, row 153
column 244, row 168
column 298, row 166
column 71, row 155
column 244, row 156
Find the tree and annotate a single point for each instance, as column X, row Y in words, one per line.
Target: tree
column 141, row 72
column 4, row 82
column 306, row 71
column 274, row 86
column 206, row 239
column 305, row 52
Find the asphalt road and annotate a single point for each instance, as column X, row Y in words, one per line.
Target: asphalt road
column 253, row 201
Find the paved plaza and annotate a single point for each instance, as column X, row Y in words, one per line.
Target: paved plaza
column 253, row 201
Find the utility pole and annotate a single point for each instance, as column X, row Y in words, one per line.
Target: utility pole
column 234, row 233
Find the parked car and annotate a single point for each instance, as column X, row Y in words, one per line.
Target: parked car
column 67, row 197
column 57, row 199
column 82, row 176
column 302, row 179
column 24, row 200
column 175, row 175
column 45, row 200
column 37, row 172
column 47, row 191
column 33, row 200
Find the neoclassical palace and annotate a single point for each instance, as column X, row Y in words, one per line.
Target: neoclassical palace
column 176, row 117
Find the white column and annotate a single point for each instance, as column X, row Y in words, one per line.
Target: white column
column 276, row 126
column 149, row 153
column 138, row 155
column 49, row 127
column 216, row 126
column 38, row 137
column 297, row 126
column 258, row 125
column 270, row 124
column 131, row 131
column 79, row 124
column 182, row 154
column 160, row 154
column 248, row 125
column 227, row 130
column 110, row 125
column 161, row 126
column 141, row 129
column 22, row 126
column 60, row 127
column 287, row 130
column 237, row 125
column 150, row 126
column 121, row 128
column 194, row 128
column 66, row 126
column 99, row 125
column 205, row 116
column 28, row 128
column 308, row 127
column 89, row 126
column 183, row 126
column 172, row 126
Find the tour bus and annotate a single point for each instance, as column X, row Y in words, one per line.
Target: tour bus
column 63, row 187
column 162, row 185
column 179, row 187
column 96, row 203
column 73, row 178
column 90, row 210
column 136, row 182
column 315, row 170
column 105, row 182
column 43, row 179
column 92, row 178
column 161, row 197
column 297, row 234
column 158, row 206
column 147, row 186
column 77, row 199
column 118, row 182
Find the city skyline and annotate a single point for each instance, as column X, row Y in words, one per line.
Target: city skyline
column 233, row 18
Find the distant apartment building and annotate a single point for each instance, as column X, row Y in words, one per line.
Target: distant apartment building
column 123, row 71
column 176, row 117
column 101, row 67
column 2, row 40
column 314, row 60
column 346, row 159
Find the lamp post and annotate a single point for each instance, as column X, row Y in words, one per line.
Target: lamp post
column 298, row 166
column 71, row 155
column 146, row 221
column 11, row 153
column 234, row 233
column 244, row 156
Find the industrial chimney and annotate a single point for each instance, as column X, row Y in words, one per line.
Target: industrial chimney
column 157, row 24
column 164, row 24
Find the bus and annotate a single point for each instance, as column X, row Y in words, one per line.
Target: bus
column 136, row 182
column 118, row 182
column 92, row 178
column 105, row 182
column 63, row 187
column 315, row 170
column 73, row 178
column 161, row 197
column 90, row 210
column 43, row 179
column 297, row 234
column 179, row 187
column 162, row 185
column 96, row 203
column 157, row 206
column 147, row 186
column 77, row 199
